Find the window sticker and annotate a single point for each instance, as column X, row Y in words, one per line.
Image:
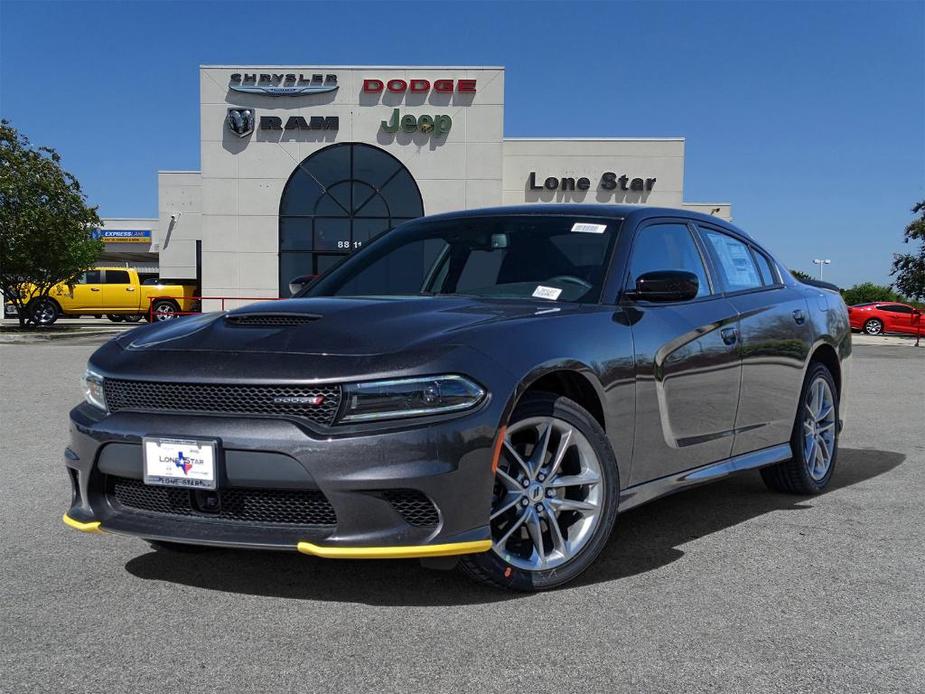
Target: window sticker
column 586, row 228
column 542, row 292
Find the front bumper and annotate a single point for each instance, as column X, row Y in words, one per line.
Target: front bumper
column 423, row 490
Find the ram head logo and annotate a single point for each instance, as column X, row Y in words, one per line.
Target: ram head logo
column 241, row 121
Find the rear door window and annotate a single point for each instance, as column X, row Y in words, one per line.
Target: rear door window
column 117, row 277
column 734, row 261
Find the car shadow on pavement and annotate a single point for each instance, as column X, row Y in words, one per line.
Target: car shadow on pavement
column 644, row 539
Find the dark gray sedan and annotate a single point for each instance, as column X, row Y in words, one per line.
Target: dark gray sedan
column 488, row 388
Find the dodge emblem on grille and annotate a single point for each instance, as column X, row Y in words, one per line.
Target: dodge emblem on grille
column 299, row 400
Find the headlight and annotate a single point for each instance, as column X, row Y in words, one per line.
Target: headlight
column 93, row 389
column 409, row 397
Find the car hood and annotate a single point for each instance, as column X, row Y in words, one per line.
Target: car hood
column 336, row 326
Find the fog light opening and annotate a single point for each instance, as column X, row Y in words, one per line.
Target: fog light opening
column 207, row 501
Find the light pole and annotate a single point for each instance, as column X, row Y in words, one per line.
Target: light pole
column 820, row 262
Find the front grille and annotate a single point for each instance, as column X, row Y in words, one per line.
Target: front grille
column 243, row 505
column 271, row 320
column 216, row 398
column 413, row 506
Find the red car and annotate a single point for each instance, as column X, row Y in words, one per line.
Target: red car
column 886, row 317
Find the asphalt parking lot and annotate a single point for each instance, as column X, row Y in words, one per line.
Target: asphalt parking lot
column 723, row 588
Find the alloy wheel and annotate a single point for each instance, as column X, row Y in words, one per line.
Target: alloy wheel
column 549, row 494
column 44, row 313
column 873, row 327
column 819, row 429
column 164, row 312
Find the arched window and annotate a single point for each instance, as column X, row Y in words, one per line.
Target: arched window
column 335, row 201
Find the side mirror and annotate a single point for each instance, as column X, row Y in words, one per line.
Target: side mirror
column 297, row 284
column 666, row 285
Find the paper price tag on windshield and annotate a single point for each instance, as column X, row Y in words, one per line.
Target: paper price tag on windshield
column 542, row 292
column 585, row 228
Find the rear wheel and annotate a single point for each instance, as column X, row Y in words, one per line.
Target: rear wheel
column 555, row 497
column 874, row 326
column 43, row 311
column 132, row 317
column 814, row 441
column 162, row 310
column 115, row 318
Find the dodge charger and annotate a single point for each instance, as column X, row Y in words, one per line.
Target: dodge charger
column 486, row 389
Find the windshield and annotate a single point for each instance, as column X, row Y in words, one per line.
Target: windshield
column 554, row 258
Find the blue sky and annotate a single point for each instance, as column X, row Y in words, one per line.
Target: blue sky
column 808, row 117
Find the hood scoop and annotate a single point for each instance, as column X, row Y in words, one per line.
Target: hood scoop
column 266, row 319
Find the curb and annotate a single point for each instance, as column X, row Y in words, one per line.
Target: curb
column 27, row 338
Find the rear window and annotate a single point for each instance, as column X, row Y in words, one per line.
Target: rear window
column 765, row 268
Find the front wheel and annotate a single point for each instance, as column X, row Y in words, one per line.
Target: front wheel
column 43, row 311
column 555, row 497
column 874, row 326
column 814, row 441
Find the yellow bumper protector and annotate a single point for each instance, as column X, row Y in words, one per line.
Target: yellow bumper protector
column 91, row 527
column 395, row 552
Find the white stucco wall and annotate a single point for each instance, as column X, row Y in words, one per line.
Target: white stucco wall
column 179, row 202
column 232, row 204
column 661, row 159
column 242, row 179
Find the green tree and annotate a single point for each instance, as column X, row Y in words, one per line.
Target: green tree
column 868, row 292
column 909, row 268
column 800, row 275
column 46, row 227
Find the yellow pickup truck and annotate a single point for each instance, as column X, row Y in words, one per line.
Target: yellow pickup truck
column 116, row 292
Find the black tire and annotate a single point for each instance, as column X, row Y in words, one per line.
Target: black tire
column 43, row 311
column 178, row 547
column 793, row 476
column 115, row 318
column 133, row 317
column 874, row 326
column 163, row 310
column 490, row 568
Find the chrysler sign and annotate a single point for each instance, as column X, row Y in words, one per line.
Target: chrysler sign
column 282, row 84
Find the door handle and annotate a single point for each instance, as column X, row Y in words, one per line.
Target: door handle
column 130, row 289
column 94, row 289
column 730, row 335
column 799, row 317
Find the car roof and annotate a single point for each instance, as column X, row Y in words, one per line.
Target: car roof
column 635, row 212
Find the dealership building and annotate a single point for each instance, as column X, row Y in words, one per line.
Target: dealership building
column 300, row 165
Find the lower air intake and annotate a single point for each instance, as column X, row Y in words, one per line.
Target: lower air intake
column 413, row 506
column 242, row 505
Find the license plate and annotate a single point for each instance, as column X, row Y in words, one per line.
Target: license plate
column 180, row 462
